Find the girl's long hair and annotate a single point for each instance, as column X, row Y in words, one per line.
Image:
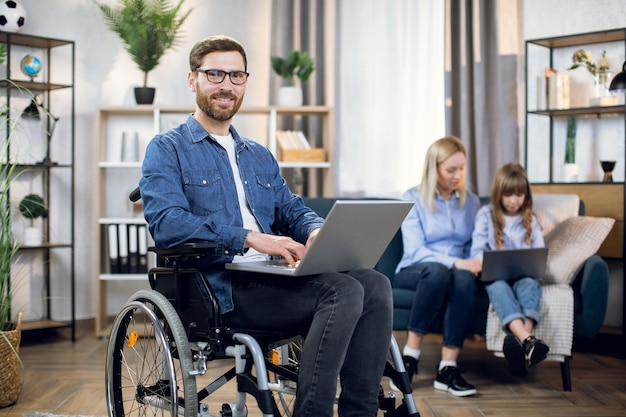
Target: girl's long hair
column 510, row 179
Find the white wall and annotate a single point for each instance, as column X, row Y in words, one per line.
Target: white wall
column 548, row 18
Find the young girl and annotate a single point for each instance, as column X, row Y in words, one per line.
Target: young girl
column 509, row 223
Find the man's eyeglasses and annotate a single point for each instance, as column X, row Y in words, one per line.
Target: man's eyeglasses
column 216, row 76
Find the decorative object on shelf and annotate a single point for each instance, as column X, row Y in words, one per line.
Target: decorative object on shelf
column 12, row 16
column 32, row 207
column 148, row 29
column 607, row 167
column 601, row 76
column 557, row 89
column 30, row 66
column 130, row 147
column 33, row 112
column 296, row 65
column 618, row 84
column 570, row 168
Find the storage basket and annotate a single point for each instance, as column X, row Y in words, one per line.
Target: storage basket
column 10, row 380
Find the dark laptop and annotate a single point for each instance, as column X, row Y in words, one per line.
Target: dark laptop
column 514, row 263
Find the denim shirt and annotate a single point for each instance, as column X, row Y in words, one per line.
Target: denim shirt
column 442, row 236
column 514, row 233
column 189, row 194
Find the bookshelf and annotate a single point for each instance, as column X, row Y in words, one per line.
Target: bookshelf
column 39, row 143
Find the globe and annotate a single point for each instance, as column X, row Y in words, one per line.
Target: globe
column 30, row 66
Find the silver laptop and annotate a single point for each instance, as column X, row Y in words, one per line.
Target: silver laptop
column 355, row 234
column 514, row 263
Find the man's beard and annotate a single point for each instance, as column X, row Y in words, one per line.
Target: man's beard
column 217, row 113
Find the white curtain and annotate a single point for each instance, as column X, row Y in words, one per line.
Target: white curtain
column 389, row 93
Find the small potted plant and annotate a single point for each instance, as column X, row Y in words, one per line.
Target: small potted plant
column 570, row 166
column 148, row 29
column 296, row 65
column 32, row 207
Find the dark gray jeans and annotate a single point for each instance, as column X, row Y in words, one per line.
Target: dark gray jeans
column 349, row 322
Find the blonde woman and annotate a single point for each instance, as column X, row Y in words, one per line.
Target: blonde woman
column 509, row 223
column 437, row 236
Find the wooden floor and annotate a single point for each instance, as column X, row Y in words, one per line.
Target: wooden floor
column 62, row 377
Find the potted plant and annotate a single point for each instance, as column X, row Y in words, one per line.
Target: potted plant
column 10, row 330
column 32, row 207
column 148, row 29
column 570, row 167
column 296, row 65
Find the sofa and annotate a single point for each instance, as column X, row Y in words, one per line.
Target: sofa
column 585, row 286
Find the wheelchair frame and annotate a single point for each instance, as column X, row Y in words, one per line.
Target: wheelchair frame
column 163, row 339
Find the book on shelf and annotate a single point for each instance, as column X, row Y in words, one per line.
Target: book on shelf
column 557, row 90
column 295, row 147
column 127, row 248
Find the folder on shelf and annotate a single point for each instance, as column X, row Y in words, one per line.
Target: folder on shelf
column 113, row 241
column 142, row 234
column 133, row 248
column 122, row 231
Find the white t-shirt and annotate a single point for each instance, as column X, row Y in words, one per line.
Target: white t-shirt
column 249, row 221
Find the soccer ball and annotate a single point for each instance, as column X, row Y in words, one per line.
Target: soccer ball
column 12, row 16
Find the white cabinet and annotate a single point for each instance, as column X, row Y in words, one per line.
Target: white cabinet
column 124, row 132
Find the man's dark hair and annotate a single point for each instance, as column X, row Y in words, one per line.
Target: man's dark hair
column 217, row 43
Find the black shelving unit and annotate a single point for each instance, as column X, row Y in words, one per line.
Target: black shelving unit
column 55, row 171
column 583, row 40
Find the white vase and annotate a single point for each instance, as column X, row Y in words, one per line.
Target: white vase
column 33, row 236
column 601, row 94
column 570, row 172
column 290, row 96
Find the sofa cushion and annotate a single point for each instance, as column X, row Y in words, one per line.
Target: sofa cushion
column 570, row 243
column 552, row 209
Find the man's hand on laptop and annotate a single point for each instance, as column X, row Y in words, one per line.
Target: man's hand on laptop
column 283, row 246
column 474, row 265
column 312, row 237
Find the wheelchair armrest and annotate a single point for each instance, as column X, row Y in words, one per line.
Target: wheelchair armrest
column 135, row 195
column 185, row 249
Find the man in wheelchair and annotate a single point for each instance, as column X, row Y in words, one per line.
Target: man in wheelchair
column 201, row 181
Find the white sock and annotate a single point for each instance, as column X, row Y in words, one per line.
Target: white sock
column 443, row 364
column 414, row 353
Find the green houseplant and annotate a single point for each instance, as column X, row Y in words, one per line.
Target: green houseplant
column 296, row 65
column 148, row 29
column 32, row 207
column 10, row 330
column 570, row 168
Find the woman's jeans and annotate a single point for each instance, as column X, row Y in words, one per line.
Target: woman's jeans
column 348, row 317
column 515, row 299
column 439, row 290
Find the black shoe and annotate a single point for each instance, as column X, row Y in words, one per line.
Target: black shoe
column 410, row 365
column 515, row 355
column 536, row 350
column 450, row 379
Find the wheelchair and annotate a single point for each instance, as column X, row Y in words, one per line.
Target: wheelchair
column 164, row 339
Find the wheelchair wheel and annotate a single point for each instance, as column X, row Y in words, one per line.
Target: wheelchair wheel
column 149, row 361
column 284, row 388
